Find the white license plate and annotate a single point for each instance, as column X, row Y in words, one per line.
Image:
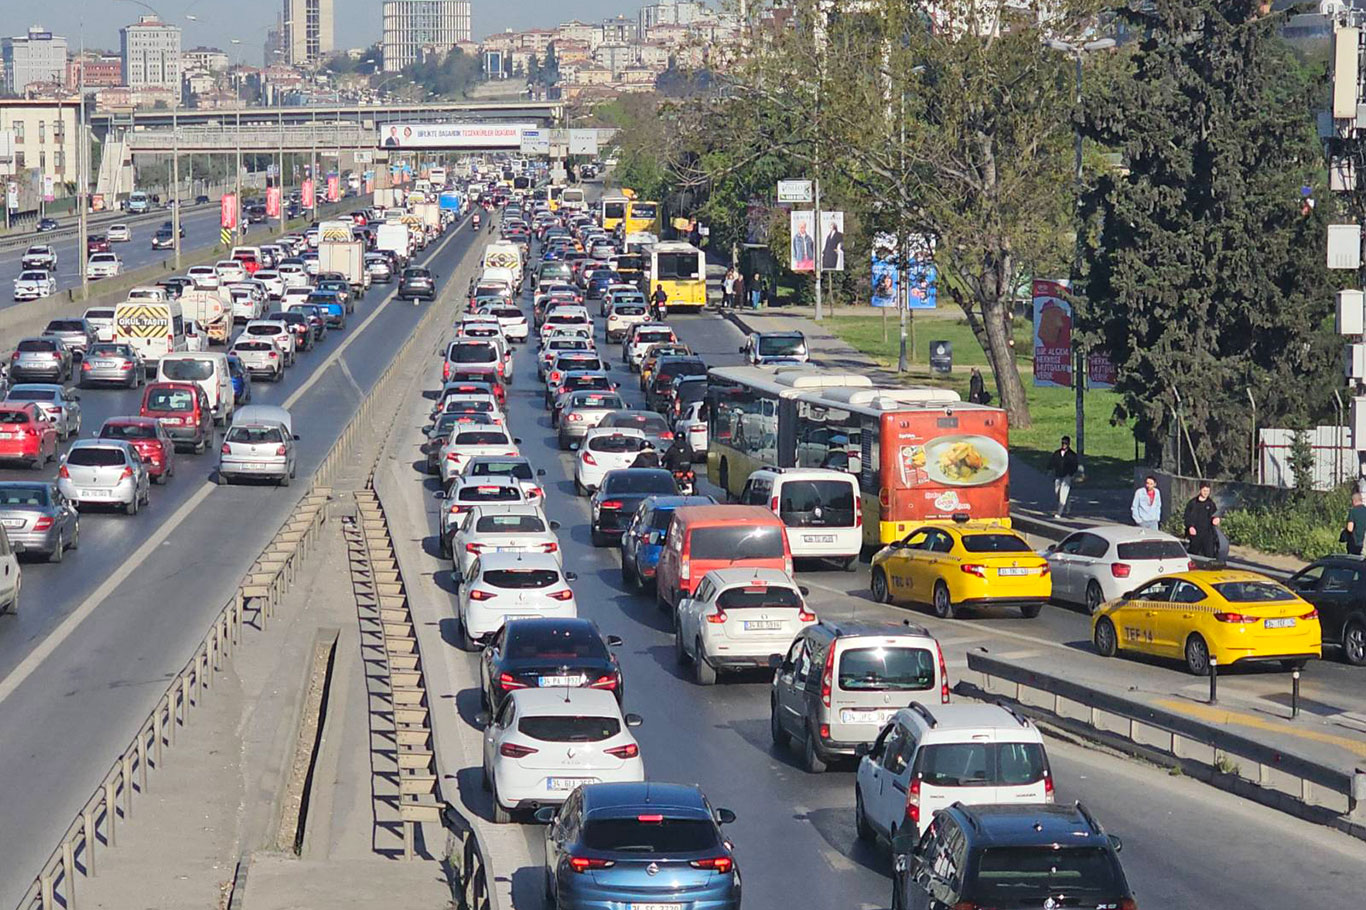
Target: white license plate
column 6, row 435
column 655, row 906
column 93, row 494
column 560, row 680
column 818, row 538
column 13, row 522
column 879, row 716
column 254, row 466
column 763, row 625
column 565, row 784
column 1015, row 571
column 1285, row 623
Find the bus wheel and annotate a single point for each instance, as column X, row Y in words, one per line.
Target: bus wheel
column 724, row 475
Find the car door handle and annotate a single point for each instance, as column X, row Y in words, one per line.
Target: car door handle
column 898, row 785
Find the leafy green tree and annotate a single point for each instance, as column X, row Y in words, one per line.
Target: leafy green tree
column 449, row 75
column 550, row 68
column 1206, row 278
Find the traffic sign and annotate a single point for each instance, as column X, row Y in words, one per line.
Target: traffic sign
column 794, row 190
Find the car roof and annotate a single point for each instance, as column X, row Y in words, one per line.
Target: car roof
column 486, row 480
column 595, row 432
column 964, row 716
column 44, row 386
column 518, row 560
column 1035, row 823
column 670, row 502
column 507, row 508
column 132, row 421
column 636, row 795
column 727, row 513
column 565, row 701
column 1222, row 576
column 727, row 578
column 1118, row 533
column 854, row 628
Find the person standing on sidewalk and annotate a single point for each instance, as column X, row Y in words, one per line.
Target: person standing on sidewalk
column 728, row 289
column 1201, row 520
column 737, row 291
column 1355, row 530
column 1147, row 506
column 1063, row 466
column 755, row 292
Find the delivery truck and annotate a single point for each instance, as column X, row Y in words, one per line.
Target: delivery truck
column 394, row 236
column 211, row 310
column 348, row 258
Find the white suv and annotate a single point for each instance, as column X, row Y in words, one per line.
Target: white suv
column 928, row 758
column 738, row 619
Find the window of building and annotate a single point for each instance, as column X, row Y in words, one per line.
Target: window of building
column 19, row 159
column 42, row 161
column 18, row 130
column 59, row 160
column 42, row 132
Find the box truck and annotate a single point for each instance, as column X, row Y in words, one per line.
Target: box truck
column 348, row 258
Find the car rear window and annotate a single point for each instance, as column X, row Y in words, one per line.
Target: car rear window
column 520, row 579
column 170, row 400
column 1253, row 592
column 995, row 543
column 19, row 393
column 65, row 325
column 646, row 423
column 650, row 833
column 781, row 345
column 255, row 435
column 653, row 337
column 519, row 469
column 127, row 431
column 253, row 346
column 886, row 669
column 99, row 314
column 1033, row 874
column 472, row 353
column 509, row 524
column 187, row 370
column 816, row 503
column 738, row 542
column 1151, row 549
column 537, row 643
column 268, row 330
column 628, row 309
column 36, row 344
column 96, row 457
column 469, row 405
column 490, row 493
column 646, row 481
column 34, row 495
column 556, row 729
column 758, row 596
column 586, row 382
column 484, row 438
column 616, row 444
column 13, row 417
column 979, row 764
column 595, row 400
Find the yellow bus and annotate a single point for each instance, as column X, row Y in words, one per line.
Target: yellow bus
column 642, row 216
column 613, row 211
column 681, row 270
column 556, row 194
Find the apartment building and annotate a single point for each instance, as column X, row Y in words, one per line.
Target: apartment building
column 415, row 27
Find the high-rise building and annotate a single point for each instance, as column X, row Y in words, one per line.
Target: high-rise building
column 415, row 27
column 275, row 44
column 151, row 53
column 670, row 12
column 308, row 31
column 39, row 56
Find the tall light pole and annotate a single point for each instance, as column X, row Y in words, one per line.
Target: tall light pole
column 237, row 135
column 1077, row 52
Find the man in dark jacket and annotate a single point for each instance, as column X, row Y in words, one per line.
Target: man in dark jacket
column 677, row 457
column 648, row 458
column 1063, row 467
column 1201, row 520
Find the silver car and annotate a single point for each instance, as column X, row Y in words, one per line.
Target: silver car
column 61, row 405
column 655, row 428
column 104, row 472
column 584, row 411
column 38, row 519
column 77, row 334
column 260, row 357
column 42, row 358
column 1100, row 563
column 111, row 362
column 257, row 449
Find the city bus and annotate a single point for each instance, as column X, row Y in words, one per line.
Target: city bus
column 613, row 211
column 556, row 193
column 642, row 216
column 681, row 270
column 574, row 199
column 919, row 453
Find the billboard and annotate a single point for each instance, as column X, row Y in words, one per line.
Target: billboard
column 1052, row 334
column 803, row 241
column 832, row 241
column 49, row 188
column 306, row 193
column 794, row 191
column 272, row 202
column 333, row 188
column 453, row 135
column 583, row 142
column 885, row 278
column 228, row 211
column 535, row 142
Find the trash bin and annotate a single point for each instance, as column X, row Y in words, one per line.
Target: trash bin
column 941, row 356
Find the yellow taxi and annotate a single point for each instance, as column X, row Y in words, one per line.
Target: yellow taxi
column 959, row 564
column 1228, row 615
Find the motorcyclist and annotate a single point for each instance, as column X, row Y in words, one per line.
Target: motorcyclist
column 648, row 458
column 476, row 219
column 660, row 299
column 677, row 458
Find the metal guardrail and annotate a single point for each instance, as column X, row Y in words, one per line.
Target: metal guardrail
column 1114, row 718
column 326, row 135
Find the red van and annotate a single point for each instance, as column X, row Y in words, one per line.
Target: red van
column 183, row 410
column 702, row 538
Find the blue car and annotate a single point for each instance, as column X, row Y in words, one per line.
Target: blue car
column 241, row 381
column 334, row 310
column 597, row 285
column 638, row 844
column 643, row 539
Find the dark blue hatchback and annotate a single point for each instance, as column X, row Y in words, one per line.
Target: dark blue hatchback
column 639, row 844
column 643, row 540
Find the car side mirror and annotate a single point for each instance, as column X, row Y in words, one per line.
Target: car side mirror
column 634, row 720
column 775, row 661
column 439, row 494
column 742, row 349
column 296, row 437
column 614, row 641
column 805, row 591
column 546, row 814
column 573, row 447
column 1116, row 843
column 571, row 576
column 862, row 749
column 516, row 441
column 724, row 817
column 483, row 718
column 540, row 472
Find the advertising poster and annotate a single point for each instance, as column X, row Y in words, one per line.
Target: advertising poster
column 922, row 285
column 1052, row 334
column 453, row 135
column 885, row 278
column 306, row 193
column 803, row 244
column 49, row 192
column 12, row 195
column 333, row 188
column 832, row 241
column 228, row 211
column 272, row 202
column 1100, row 371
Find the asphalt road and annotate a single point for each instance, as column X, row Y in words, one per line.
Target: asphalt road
column 98, row 636
column 795, row 833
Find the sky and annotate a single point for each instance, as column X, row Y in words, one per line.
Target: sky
column 218, row 21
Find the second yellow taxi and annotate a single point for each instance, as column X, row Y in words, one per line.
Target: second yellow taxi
column 1228, row 615
column 958, row 564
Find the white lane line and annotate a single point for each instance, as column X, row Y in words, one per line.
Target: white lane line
column 44, row 649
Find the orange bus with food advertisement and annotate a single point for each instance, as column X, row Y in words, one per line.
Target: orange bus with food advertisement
column 919, row 453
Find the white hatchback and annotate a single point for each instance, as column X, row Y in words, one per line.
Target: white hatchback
column 464, row 494
column 469, row 443
column 545, row 743
column 738, row 619
column 1101, row 563
column 502, row 586
column 496, row 528
column 603, row 450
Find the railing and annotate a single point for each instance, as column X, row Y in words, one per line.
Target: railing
column 253, row 136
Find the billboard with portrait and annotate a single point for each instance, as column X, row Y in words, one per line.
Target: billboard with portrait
column 832, row 241
column 453, row 135
column 802, row 242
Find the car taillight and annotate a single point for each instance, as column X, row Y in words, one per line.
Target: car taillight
column 612, row 504
column 1190, row 565
column 630, row 750
column 126, row 365
column 721, row 864
column 451, row 456
column 582, row 864
column 86, row 366
column 574, row 418
column 805, row 615
column 717, row 618
column 512, row 750
column 943, row 676
column 828, row 676
column 534, row 492
column 1120, row 569
column 555, row 377
column 42, row 524
column 773, row 505
column 1235, row 617
column 562, row 595
column 913, row 801
column 1049, row 791
column 272, row 355
column 508, row 681
column 280, row 450
column 551, row 547
column 685, row 569
column 1312, row 614
column 884, row 498
column 63, row 472
column 970, row 568
column 474, row 548
column 588, row 458
column 666, row 436
column 227, row 449
column 127, row 474
column 446, row 371
column 477, row 594
column 609, row 681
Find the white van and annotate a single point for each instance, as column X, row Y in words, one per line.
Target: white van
column 504, row 255
column 210, row 371
column 154, row 328
column 820, row 507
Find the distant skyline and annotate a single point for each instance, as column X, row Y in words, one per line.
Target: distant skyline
column 357, row 21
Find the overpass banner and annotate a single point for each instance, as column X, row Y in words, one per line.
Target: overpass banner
column 453, row 135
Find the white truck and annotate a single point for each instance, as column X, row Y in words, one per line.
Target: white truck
column 430, row 213
column 504, row 255
column 152, row 327
column 348, row 258
column 211, row 310
column 394, row 236
column 387, row 197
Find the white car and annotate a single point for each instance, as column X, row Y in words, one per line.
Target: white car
column 248, row 302
column 501, row 586
column 465, row 493
column 640, row 337
column 274, row 284
column 295, row 295
column 604, row 450
column 544, row 743
column 512, row 320
column 204, row 277
column 101, row 319
column 41, row 257
column 621, row 316
column 517, row 527
column 118, row 233
column 293, row 274
column 275, row 330
column 692, row 426
column 552, row 347
column 34, row 284
column 515, row 466
column 775, row 347
column 103, row 265
column 1099, row 564
column 468, row 443
column 196, row 339
column 737, row 619
column 458, row 401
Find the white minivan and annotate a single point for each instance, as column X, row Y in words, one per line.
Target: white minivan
column 819, row 506
column 210, row 371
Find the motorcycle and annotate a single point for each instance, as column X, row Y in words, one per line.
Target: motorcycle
column 475, row 221
column 686, row 481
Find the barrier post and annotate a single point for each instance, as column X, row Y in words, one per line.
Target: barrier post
column 1294, row 694
column 69, row 874
column 111, row 809
column 1213, row 680
column 88, row 827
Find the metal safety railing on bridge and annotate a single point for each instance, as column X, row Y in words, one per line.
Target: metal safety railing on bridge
column 253, row 136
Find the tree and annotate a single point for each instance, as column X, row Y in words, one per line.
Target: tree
column 533, row 70
column 1205, row 278
column 550, row 69
column 449, row 75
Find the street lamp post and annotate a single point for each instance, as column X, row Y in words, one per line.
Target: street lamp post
column 1077, row 52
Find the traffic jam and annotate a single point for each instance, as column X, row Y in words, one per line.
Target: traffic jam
column 959, row 795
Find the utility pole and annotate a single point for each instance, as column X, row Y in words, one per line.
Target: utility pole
column 82, row 180
column 175, row 178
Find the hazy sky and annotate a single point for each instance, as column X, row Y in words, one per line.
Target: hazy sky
column 357, row 21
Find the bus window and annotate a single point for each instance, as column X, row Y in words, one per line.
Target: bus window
column 676, row 267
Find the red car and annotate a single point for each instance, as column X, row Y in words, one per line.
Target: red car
column 27, row 435
column 183, row 411
column 97, row 244
column 151, row 440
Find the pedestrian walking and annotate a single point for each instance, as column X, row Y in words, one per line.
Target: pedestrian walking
column 1147, row 506
column 755, row 292
column 1201, row 520
column 728, row 289
column 738, row 289
column 1355, row 531
column 1063, row 464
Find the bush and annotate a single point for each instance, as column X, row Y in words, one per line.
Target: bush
column 1306, row 526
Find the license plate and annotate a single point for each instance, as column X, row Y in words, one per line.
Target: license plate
column 6, row 435
column 93, row 494
column 560, row 680
column 1014, row 571
column 763, row 625
column 1285, row 623
column 818, row 538
column 879, row 716
column 565, row 784
column 654, row 906
column 13, row 522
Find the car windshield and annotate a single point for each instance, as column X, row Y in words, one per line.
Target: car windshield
column 650, row 424
column 518, row 579
column 817, row 503
column 96, row 457
column 26, row 495
column 781, row 345
column 884, row 669
column 1017, row 876
column 170, row 400
column 482, row 438
column 472, row 353
column 1136, row 550
column 758, row 596
column 616, row 444
column 1253, row 592
column 981, row 764
column 652, row 834
column 186, row 370
column 509, row 524
column 519, row 469
column 489, row 493
column 995, row 543
column 576, row 641
column 33, row 276
column 127, row 431
column 564, row 729
column 646, row 481
column 739, row 541
column 19, row 393
column 255, row 435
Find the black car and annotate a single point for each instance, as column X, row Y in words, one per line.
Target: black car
column 547, row 651
column 659, row 394
column 201, row 199
column 415, row 283
column 300, row 324
column 1009, row 857
column 47, row 224
column 1336, row 586
column 163, row 239
column 615, row 501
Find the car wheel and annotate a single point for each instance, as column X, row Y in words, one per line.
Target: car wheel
column 882, row 593
column 1029, row 611
column 851, row 564
column 58, row 550
column 660, row 602
column 131, row 507
column 599, row 539
column 1105, row 639
column 775, row 727
column 501, row 816
column 680, row 652
column 1354, row 643
column 1197, row 656
column 1094, row 597
column 220, row 478
column 37, row 463
column 284, row 481
column 200, row 446
column 629, row 579
column 861, row 826
column 943, row 602
column 579, row 488
column 811, row 760
column 703, row 673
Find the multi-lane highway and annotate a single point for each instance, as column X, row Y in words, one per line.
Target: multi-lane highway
column 795, row 835
column 98, row 635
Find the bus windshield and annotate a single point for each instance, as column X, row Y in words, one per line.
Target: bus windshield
column 643, row 211
column 676, row 266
